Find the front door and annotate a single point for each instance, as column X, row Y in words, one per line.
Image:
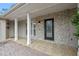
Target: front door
column 49, row 29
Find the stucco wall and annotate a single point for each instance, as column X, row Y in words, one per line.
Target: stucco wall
column 63, row 29
column 2, row 30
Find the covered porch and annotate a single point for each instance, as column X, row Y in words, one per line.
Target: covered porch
column 49, row 48
column 27, row 27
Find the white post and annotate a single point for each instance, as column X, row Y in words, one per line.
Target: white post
column 78, row 40
column 28, row 29
column 16, row 29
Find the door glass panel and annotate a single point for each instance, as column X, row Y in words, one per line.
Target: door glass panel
column 34, row 30
column 49, row 28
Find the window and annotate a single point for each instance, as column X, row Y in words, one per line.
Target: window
column 34, row 30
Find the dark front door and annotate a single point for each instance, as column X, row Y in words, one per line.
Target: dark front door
column 49, row 29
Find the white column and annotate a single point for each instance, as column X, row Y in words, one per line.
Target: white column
column 28, row 29
column 16, row 29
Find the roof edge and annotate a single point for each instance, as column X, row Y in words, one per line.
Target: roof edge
column 16, row 6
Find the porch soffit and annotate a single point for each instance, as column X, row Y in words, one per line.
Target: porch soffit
column 41, row 9
column 16, row 6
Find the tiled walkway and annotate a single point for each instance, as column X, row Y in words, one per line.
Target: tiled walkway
column 11, row 48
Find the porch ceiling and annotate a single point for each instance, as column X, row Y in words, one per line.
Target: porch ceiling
column 37, row 9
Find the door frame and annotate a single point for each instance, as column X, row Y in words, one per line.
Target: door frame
column 47, row 38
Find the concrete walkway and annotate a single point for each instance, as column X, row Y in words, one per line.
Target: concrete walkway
column 11, row 48
column 53, row 49
column 49, row 47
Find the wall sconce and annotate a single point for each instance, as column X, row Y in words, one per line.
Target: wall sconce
column 39, row 21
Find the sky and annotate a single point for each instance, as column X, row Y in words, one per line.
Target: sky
column 4, row 7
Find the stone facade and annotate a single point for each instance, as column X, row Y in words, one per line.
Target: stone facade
column 63, row 29
column 2, row 30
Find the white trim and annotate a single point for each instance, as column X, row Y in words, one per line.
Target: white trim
column 16, row 29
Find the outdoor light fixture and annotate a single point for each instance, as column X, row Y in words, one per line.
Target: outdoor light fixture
column 39, row 21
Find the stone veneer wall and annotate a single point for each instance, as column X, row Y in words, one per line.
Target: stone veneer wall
column 2, row 30
column 63, row 29
column 22, row 29
column 11, row 29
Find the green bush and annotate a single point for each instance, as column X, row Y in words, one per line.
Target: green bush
column 75, row 22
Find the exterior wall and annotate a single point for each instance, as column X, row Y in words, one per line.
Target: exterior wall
column 39, row 30
column 7, row 29
column 63, row 29
column 22, row 29
column 11, row 29
column 2, row 30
